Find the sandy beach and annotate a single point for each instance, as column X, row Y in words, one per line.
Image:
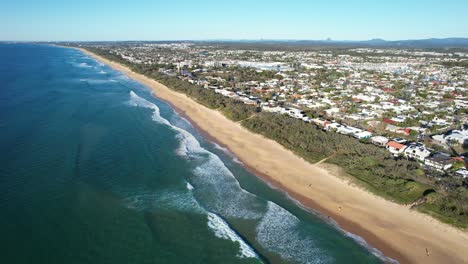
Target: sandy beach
column 397, row 231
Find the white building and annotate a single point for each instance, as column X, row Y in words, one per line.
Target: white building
column 363, row 135
column 439, row 161
column 395, row 148
column 379, row 141
column 417, row 152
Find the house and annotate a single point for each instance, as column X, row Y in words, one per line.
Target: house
column 363, row 135
column 319, row 122
column 389, row 121
column 295, row 113
column 458, row 136
column 275, row 109
column 395, row 148
column 400, row 140
column 417, row 152
column 379, row 141
column 344, row 130
column 332, row 126
column 355, row 130
column 439, row 161
column 404, row 131
column 391, row 128
column 462, row 173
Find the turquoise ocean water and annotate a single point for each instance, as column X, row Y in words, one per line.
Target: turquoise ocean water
column 93, row 169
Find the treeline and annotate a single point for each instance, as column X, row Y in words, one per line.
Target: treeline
column 396, row 179
column 399, row 180
column 367, row 162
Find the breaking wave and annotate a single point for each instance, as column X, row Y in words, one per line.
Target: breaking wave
column 94, row 81
column 165, row 199
column 221, row 191
column 189, row 186
column 373, row 250
column 278, row 231
column 222, row 229
column 216, row 188
column 84, row 65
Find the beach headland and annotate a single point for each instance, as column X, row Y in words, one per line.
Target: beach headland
column 396, row 230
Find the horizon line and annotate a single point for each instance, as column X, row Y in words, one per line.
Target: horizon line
column 246, row 39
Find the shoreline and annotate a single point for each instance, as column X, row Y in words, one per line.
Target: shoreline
column 307, row 204
column 395, row 230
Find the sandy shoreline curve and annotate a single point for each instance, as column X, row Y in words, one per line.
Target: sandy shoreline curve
column 397, row 231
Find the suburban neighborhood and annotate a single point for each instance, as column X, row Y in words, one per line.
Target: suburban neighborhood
column 414, row 103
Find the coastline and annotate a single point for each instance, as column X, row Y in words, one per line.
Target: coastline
column 397, row 231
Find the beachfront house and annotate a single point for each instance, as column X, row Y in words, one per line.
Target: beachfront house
column 319, row 122
column 344, row 130
column 332, row 126
column 439, row 161
column 416, row 152
column 363, row 135
column 462, row 173
column 379, row 141
column 295, row 113
column 395, row 148
column 458, row 136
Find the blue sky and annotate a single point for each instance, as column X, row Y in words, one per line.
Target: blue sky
column 235, row 19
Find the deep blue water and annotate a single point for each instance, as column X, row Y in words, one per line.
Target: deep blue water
column 93, row 169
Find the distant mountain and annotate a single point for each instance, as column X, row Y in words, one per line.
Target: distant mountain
column 294, row 43
column 377, row 42
column 432, row 42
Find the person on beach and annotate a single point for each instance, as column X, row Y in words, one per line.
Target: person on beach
column 427, row 252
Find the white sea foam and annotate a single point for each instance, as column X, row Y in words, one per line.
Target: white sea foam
column 184, row 201
column 236, row 160
column 95, row 81
column 164, row 199
column 278, row 231
column 222, row 192
column 228, row 152
column 189, row 186
column 221, row 148
column 135, row 100
column 102, row 72
column 361, row 241
column 222, row 229
column 84, row 65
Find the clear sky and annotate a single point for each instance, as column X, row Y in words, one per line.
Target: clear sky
column 235, row 19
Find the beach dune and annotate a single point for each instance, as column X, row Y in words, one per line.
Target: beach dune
column 396, row 230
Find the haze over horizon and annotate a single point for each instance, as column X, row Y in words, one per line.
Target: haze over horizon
column 211, row 20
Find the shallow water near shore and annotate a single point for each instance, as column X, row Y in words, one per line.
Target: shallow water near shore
column 96, row 170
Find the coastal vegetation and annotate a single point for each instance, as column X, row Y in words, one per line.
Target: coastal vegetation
column 399, row 180
column 396, row 179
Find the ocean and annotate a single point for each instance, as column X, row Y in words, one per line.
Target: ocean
column 94, row 169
